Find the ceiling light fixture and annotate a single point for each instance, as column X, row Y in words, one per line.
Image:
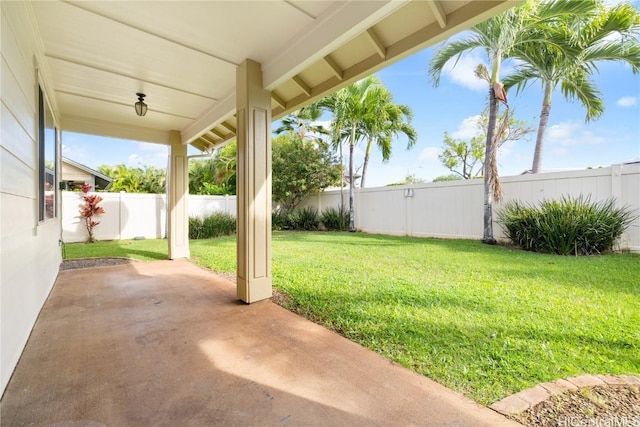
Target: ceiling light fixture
column 141, row 107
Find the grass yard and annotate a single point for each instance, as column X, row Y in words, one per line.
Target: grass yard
column 484, row 320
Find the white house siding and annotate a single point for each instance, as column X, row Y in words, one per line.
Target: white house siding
column 30, row 254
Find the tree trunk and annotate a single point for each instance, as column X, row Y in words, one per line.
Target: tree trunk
column 487, row 236
column 542, row 128
column 366, row 162
column 352, row 216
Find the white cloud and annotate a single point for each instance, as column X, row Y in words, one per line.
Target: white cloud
column 468, row 128
column 627, row 101
column 462, row 71
column 429, row 154
column 572, row 133
column 148, row 154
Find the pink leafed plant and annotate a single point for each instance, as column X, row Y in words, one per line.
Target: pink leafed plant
column 88, row 209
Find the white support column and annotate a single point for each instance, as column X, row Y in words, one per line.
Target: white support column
column 177, row 196
column 253, row 172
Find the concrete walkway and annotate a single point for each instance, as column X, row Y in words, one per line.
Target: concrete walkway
column 168, row 344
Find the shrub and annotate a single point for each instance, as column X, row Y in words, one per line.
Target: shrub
column 335, row 219
column 280, row 220
column 215, row 225
column 565, row 226
column 306, row 218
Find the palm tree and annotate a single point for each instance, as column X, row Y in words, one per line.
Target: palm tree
column 601, row 34
column 383, row 123
column 302, row 122
column 350, row 107
column 499, row 36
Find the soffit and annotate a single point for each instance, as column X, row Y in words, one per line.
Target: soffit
column 183, row 56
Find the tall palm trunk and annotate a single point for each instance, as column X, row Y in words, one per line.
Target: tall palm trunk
column 542, row 127
column 487, row 235
column 352, row 216
column 366, row 162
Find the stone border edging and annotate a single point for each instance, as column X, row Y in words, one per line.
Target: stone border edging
column 520, row 402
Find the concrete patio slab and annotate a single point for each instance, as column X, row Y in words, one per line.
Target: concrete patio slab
column 168, row 344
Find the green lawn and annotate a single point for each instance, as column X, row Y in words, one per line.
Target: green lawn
column 484, row 320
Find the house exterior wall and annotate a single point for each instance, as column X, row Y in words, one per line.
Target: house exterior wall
column 30, row 254
column 72, row 173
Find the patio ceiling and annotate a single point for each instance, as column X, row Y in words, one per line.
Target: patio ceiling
column 183, row 56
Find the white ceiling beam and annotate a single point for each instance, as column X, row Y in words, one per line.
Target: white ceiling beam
column 327, row 33
column 278, row 100
column 114, row 130
column 218, row 113
column 459, row 20
column 302, row 85
column 337, row 71
column 438, row 12
column 376, row 43
column 217, row 133
column 228, row 127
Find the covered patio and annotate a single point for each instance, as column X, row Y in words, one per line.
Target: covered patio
column 210, row 72
column 168, row 344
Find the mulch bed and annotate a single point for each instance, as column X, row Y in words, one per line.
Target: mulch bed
column 590, row 406
column 71, row 264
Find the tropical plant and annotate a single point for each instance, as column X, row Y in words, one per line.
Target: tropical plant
column 215, row 175
column 145, row 179
column 335, row 219
column 566, row 226
column 350, row 107
column 597, row 34
column 300, row 168
column 498, row 37
column 89, row 209
column 383, row 123
column 306, row 219
column 304, row 123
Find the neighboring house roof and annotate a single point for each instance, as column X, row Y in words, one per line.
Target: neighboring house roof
column 101, row 181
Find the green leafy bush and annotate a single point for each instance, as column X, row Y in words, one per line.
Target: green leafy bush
column 306, row 219
column 565, row 226
column 335, row 219
column 281, row 220
column 215, row 225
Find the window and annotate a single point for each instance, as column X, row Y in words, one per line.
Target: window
column 47, row 143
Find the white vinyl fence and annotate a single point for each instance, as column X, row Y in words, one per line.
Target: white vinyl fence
column 444, row 209
column 455, row 209
column 128, row 216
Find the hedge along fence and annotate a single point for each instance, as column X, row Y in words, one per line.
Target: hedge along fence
column 443, row 209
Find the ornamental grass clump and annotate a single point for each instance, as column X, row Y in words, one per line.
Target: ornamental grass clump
column 566, row 226
column 335, row 219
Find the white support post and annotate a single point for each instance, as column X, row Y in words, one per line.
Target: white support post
column 253, row 171
column 177, row 195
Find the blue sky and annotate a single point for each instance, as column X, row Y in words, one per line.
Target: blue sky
column 570, row 142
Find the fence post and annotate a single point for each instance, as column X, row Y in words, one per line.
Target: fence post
column 408, row 225
column 616, row 184
column 120, row 211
